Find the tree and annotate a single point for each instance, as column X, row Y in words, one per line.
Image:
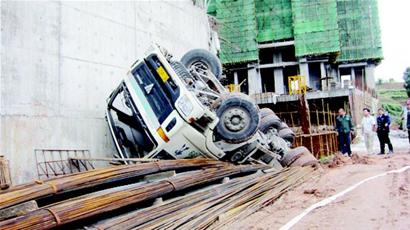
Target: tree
column 406, row 77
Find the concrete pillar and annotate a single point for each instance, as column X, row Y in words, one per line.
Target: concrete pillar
column 277, row 57
column 304, row 70
column 235, row 78
column 323, row 75
column 279, row 84
column 278, row 74
column 369, row 75
column 254, row 81
column 352, row 77
column 322, row 70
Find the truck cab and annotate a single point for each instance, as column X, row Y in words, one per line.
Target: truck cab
column 169, row 110
column 152, row 114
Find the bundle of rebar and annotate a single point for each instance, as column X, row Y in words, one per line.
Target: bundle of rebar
column 206, row 201
column 92, row 178
column 100, row 202
column 214, row 207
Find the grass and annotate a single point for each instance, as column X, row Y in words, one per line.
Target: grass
column 392, row 100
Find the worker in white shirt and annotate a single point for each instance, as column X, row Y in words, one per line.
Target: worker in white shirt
column 368, row 129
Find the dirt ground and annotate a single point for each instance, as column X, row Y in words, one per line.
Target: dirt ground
column 382, row 203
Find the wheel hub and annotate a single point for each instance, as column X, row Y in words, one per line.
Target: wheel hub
column 235, row 119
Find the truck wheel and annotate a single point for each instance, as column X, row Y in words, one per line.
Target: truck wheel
column 238, row 118
column 287, row 134
column 299, row 156
column 203, row 57
column 265, row 112
column 307, row 159
column 269, row 121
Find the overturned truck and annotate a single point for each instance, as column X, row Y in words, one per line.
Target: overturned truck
column 169, row 109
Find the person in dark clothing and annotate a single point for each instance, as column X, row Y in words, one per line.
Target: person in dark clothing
column 383, row 128
column 408, row 118
column 344, row 128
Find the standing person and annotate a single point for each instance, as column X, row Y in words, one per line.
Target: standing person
column 408, row 118
column 368, row 128
column 344, row 128
column 383, row 123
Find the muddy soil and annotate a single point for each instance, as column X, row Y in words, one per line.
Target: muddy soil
column 383, row 203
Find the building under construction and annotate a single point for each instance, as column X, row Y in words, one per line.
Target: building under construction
column 277, row 49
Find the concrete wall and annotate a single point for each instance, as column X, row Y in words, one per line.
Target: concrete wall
column 60, row 61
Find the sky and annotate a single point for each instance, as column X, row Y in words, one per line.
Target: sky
column 395, row 28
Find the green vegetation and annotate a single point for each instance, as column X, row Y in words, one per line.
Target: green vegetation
column 392, row 100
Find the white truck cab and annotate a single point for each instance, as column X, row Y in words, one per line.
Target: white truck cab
column 169, row 110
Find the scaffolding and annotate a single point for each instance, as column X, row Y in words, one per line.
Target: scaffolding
column 274, row 20
column 359, row 29
column 237, row 31
column 346, row 29
column 318, row 135
column 315, row 27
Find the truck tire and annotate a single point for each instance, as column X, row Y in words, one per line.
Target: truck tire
column 269, row 121
column 265, row 112
column 292, row 155
column 287, row 134
column 307, row 159
column 299, row 156
column 201, row 56
column 238, row 118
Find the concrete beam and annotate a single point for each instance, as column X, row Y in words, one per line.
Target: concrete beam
column 309, row 96
column 276, row 44
column 347, row 65
column 278, row 65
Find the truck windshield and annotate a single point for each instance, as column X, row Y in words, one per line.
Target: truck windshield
column 158, row 100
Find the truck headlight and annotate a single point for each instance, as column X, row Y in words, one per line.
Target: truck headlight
column 185, row 105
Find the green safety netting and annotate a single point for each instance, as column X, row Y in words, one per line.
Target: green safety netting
column 274, row 20
column 211, row 10
column 359, row 30
column 349, row 28
column 237, row 31
column 315, row 27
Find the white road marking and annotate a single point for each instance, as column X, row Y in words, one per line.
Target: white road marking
column 328, row 200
